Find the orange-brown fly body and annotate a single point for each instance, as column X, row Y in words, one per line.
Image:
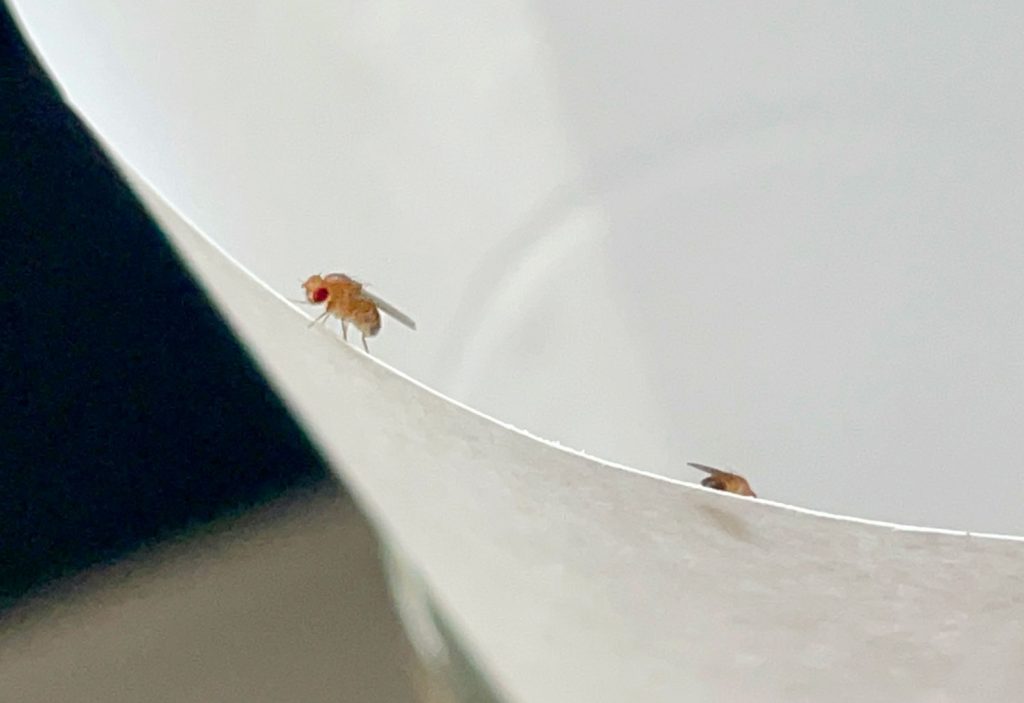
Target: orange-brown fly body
column 348, row 300
column 725, row 481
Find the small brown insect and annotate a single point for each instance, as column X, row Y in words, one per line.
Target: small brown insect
column 725, row 481
column 350, row 302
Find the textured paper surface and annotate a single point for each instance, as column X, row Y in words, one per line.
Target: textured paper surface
column 573, row 580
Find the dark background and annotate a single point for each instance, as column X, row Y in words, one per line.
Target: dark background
column 127, row 409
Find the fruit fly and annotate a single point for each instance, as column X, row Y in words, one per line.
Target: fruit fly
column 350, row 302
column 725, row 481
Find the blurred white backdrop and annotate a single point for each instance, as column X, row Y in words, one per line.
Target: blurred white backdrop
column 780, row 238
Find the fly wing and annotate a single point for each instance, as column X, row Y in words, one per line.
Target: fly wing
column 391, row 310
column 707, row 469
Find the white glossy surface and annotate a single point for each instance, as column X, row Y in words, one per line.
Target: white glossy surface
column 780, row 237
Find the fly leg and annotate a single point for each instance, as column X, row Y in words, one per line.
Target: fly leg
column 324, row 314
column 344, row 330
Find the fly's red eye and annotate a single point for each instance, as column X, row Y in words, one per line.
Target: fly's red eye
column 319, row 295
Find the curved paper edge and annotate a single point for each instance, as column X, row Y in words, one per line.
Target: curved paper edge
column 151, row 196
column 577, row 579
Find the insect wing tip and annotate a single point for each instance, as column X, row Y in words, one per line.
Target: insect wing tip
column 391, row 310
